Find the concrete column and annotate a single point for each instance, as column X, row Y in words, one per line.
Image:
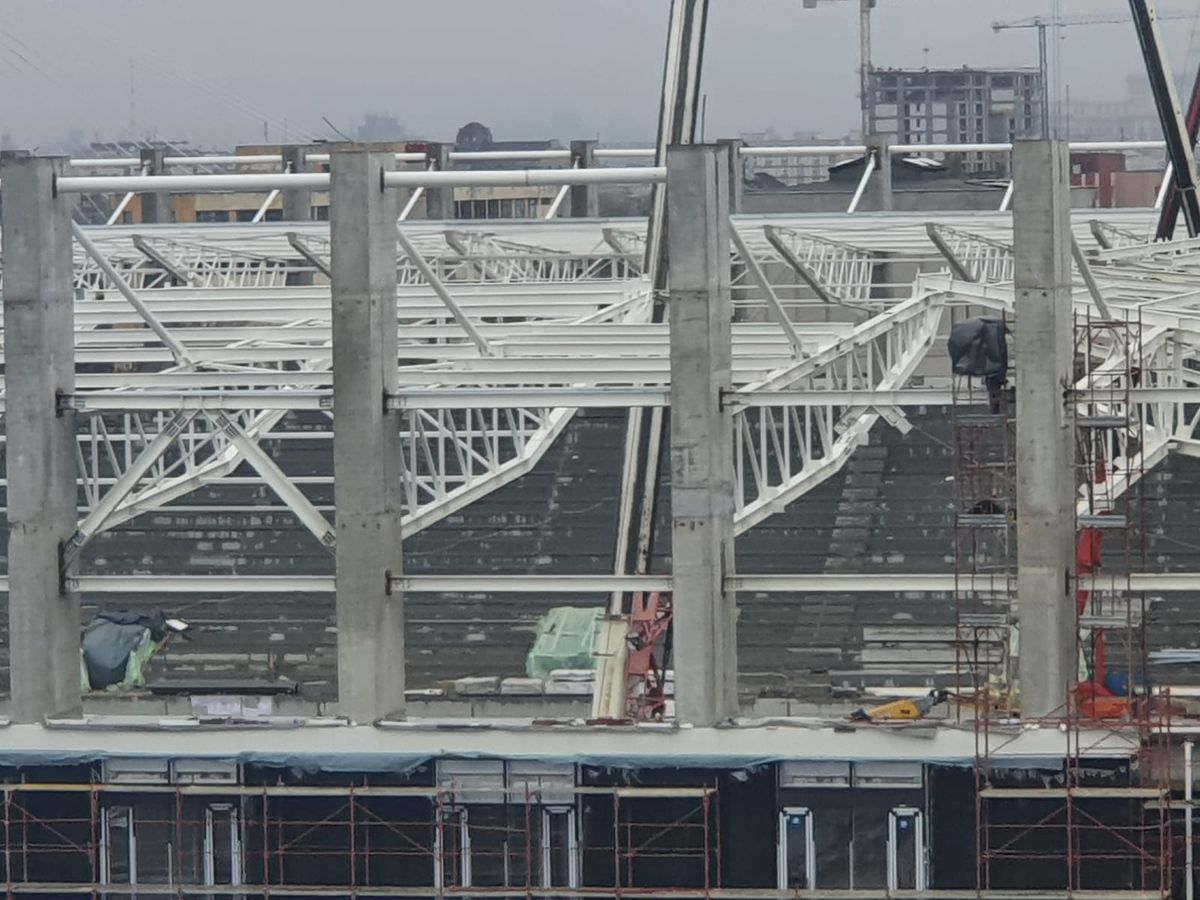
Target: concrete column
column 297, row 203
column 1045, row 440
column 366, row 447
column 584, row 199
column 39, row 347
column 155, row 207
column 737, row 173
column 702, row 484
column 884, row 198
column 439, row 202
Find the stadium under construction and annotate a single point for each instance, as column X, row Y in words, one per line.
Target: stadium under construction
column 865, row 615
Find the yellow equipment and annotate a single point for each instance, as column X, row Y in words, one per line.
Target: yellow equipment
column 901, row 710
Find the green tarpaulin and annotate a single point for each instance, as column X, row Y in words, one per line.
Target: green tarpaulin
column 566, row 639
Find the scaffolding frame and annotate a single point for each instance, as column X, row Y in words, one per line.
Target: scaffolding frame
column 983, row 426
column 1057, row 822
column 350, row 826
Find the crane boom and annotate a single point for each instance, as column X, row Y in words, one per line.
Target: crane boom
column 1166, row 101
column 1071, row 21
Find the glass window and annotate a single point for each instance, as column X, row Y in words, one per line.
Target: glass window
column 506, row 209
column 246, row 215
column 493, row 209
column 212, row 215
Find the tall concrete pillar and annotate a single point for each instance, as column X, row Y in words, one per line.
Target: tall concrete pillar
column 439, row 202
column 39, row 347
column 584, row 198
column 366, row 445
column 702, row 481
column 1045, row 440
column 737, row 173
column 884, row 197
column 297, row 202
column 156, row 207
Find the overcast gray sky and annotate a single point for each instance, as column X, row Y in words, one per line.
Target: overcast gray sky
column 212, row 70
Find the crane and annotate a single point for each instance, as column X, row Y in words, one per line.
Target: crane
column 864, row 56
column 1042, row 23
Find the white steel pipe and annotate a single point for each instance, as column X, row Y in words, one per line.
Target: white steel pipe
column 411, row 204
column 125, row 201
column 405, row 157
column 262, row 210
column 807, row 150
column 625, row 153
column 567, row 584
column 198, row 184
column 110, row 162
column 120, row 162
column 1080, row 146
column 552, row 212
column 526, row 177
column 177, row 350
column 257, row 159
column 868, row 171
column 1086, row 146
column 951, row 148
column 1008, row 196
column 1161, row 197
column 499, row 155
column 426, row 270
column 821, row 583
column 192, row 584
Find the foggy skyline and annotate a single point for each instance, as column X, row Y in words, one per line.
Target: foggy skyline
column 214, row 72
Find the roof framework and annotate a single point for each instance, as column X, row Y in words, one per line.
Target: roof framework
column 230, row 338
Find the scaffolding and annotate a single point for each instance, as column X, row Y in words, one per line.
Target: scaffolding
column 358, row 841
column 983, row 428
column 1098, row 818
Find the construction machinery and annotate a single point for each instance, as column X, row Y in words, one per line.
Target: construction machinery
column 1042, row 23
column 904, row 710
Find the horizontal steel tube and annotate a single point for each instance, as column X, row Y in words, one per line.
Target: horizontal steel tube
column 1085, row 146
column 498, row 398
column 258, row 159
column 497, row 155
column 1080, row 146
column 578, row 397
column 951, row 148
column 807, row 150
column 108, row 162
column 526, row 177
column 122, row 162
column 120, row 184
column 625, row 153
column 400, row 157
column 208, row 400
column 891, row 583
column 943, row 582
